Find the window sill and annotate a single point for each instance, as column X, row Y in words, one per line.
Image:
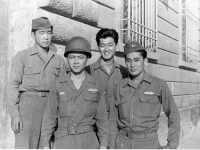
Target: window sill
column 185, row 64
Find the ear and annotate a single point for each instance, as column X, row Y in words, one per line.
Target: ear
column 33, row 35
column 146, row 61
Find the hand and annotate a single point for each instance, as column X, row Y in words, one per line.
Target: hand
column 103, row 147
column 16, row 124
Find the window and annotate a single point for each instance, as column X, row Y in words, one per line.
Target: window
column 190, row 53
column 139, row 23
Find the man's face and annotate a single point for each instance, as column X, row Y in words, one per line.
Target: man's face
column 42, row 37
column 135, row 63
column 107, row 48
column 77, row 62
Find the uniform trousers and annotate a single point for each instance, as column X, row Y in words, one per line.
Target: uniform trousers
column 31, row 108
column 80, row 141
column 124, row 142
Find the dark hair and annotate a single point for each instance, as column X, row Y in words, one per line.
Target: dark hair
column 143, row 53
column 104, row 33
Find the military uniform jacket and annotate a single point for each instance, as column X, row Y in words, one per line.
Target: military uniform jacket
column 74, row 108
column 137, row 109
column 117, row 73
column 30, row 72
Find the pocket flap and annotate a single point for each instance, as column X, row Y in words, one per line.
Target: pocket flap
column 90, row 97
column 65, row 97
column 32, row 70
column 122, row 100
column 149, row 99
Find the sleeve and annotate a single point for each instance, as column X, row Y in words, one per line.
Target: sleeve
column 102, row 120
column 171, row 111
column 50, row 116
column 16, row 75
column 113, row 119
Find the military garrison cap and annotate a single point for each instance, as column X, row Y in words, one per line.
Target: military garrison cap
column 132, row 46
column 41, row 23
column 78, row 44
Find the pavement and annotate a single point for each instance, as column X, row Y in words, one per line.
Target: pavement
column 192, row 142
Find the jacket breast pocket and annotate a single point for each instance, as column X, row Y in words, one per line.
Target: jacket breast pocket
column 66, row 105
column 55, row 70
column 123, row 108
column 149, row 105
column 31, row 76
column 90, row 104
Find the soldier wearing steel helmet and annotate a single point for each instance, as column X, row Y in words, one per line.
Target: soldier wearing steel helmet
column 76, row 104
column 135, row 110
column 32, row 73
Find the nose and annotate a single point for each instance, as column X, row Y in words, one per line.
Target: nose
column 45, row 35
column 133, row 64
column 76, row 60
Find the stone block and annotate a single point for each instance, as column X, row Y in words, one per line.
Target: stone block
column 20, row 30
column 107, row 3
column 167, row 13
column 190, row 100
column 94, row 45
column 106, row 17
column 65, row 28
column 166, row 73
column 85, row 11
column 173, row 4
column 23, row 4
column 187, row 130
column 185, row 115
column 168, row 29
column 168, row 44
column 60, row 7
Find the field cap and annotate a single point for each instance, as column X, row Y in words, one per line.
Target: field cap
column 132, row 46
column 78, row 44
column 41, row 23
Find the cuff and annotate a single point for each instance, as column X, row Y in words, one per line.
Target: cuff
column 14, row 112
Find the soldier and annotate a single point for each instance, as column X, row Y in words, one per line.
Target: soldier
column 135, row 111
column 106, row 69
column 32, row 73
column 76, row 104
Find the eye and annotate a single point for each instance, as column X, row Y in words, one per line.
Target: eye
column 128, row 60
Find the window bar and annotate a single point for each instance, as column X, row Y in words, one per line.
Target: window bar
column 132, row 20
column 146, row 16
column 128, row 20
column 186, row 32
column 136, row 20
column 148, row 23
column 155, row 25
column 142, row 22
column 152, row 22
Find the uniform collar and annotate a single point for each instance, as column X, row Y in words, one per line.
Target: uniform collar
column 87, row 77
column 98, row 65
column 146, row 78
column 34, row 50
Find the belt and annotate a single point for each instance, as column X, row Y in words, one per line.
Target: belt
column 73, row 130
column 41, row 94
column 132, row 135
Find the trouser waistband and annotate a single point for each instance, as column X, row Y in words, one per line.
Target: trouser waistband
column 41, row 94
column 73, row 130
column 132, row 135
